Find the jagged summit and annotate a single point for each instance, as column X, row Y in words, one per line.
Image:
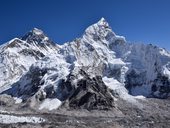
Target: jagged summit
column 35, row 35
column 37, row 31
column 103, row 22
column 100, row 31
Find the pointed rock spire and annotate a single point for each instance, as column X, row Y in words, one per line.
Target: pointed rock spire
column 103, row 22
column 100, row 30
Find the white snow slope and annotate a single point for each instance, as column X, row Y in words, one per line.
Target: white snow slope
column 8, row 119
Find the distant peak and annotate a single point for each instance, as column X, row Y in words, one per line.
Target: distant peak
column 102, row 19
column 34, row 33
column 37, row 36
column 37, row 31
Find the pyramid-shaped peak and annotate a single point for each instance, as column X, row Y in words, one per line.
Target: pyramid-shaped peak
column 34, row 33
column 100, row 29
column 103, row 22
column 37, row 31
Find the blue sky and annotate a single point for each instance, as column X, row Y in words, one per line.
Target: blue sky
column 145, row 21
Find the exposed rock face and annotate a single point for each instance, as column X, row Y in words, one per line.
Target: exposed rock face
column 134, row 79
column 37, row 36
column 89, row 93
column 92, row 94
column 161, row 87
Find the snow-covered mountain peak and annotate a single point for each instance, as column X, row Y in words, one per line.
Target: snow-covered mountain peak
column 101, row 28
column 101, row 37
column 33, row 32
column 36, row 36
column 103, row 22
column 102, row 33
column 37, row 31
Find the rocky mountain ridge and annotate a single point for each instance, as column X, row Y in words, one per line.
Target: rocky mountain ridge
column 90, row 72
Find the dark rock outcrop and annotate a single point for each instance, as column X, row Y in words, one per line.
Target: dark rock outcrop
column 89, row 93
column 161, row 87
